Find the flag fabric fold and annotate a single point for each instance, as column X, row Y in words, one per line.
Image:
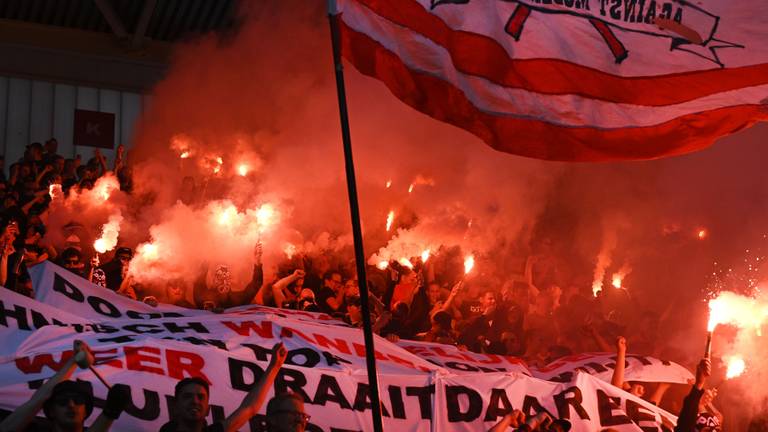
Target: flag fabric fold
column 576, row 80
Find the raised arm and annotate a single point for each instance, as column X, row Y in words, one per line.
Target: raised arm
column 454, row 291
column 514, row 418
column 278, row 288
column 250, row 405
column 686, row 421
column 118, row 398
column 257, row 280
column 119, row 158
column 200, row 286
column 21, row 417
column 621, row 357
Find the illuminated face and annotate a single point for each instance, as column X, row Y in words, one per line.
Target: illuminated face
column 68, row 410
column 192, row 403
column 288, row 416
column 175, row 291
column 488, row 302
column 351, row 289
column 433, row 292
column 334, row 282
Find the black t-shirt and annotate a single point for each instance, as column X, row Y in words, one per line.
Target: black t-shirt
column 171, row 427
column 322, row 295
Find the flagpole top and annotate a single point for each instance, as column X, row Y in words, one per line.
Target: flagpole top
column 333, row 8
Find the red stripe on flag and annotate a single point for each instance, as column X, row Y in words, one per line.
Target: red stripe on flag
column 482, row 56
column 535, row 138
column 617, row 48
column 517, row 20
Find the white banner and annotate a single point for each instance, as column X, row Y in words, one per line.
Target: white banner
column 423, row 386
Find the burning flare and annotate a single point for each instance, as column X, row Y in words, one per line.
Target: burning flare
column 383, row 264
column 405, row 262
column 469, row 263
column 388, row 184
column 390, row 219
column 184, row 155
column 410, row 188
column 702, row 234
column 736, row 367
column 109, row 234
column 737, row 310
column 147, row 252
column 265, row 216
column 242, row 170
column 618, row 278
column 425, row 255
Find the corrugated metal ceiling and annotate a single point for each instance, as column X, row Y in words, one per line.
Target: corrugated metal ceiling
column 171, row 19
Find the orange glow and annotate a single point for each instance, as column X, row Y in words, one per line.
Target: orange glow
column 148, row 251
column 616, row 280
column 104, row 187
column 425, row 255
column 390, row 219
column 290, row 250
column 405, row 262
column 736, row 367
column 109, row 234
column 469, row 264
column 265, row 215
column 227, row 215
column 55, row 191
column 737, row 310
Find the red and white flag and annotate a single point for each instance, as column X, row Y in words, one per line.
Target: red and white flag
column 574, row 80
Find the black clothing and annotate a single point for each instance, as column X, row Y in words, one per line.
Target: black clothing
column 203, row 293
column 487, row 328
column 173, row 427
column 686, row 421
column 321, row 297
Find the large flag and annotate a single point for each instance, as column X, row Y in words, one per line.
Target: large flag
column 573, row 80
column 425, row 386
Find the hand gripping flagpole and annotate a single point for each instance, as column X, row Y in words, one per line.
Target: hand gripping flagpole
column 354, row 209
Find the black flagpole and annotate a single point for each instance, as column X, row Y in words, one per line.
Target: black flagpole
column 354, row 210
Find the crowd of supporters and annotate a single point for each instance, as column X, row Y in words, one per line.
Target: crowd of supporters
column 538, row 317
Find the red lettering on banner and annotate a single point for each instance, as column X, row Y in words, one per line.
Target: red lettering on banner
column 442, row 353
column 180, row 362
column 134, row 359
column 337, row 344
column 38, row 362
column 107, row 357
column 263, row 329
column 360, row 352
column 287, row 332
column 417, row 350
column 491, row 359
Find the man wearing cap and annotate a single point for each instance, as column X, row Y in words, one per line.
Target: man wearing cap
column 67, row 404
